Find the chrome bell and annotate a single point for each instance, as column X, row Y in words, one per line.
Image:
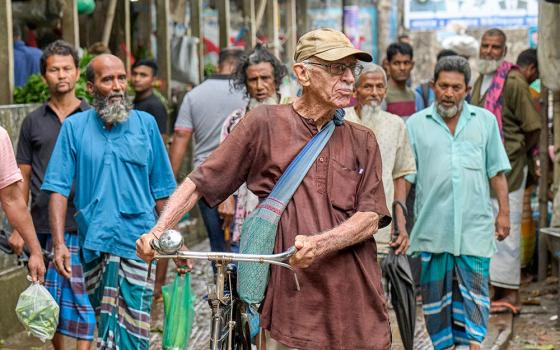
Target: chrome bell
column 169, row 242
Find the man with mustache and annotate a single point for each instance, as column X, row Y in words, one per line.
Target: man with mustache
column 503, row 90
column 38, row 135
column 332, row 215
column 117, row 161
column 390, row 132
column 400, row 99
column 459, row 156
column 259, row 74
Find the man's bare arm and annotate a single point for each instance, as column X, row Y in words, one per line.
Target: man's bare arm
column 58, row 205
column 357, row 228
column 500, row 187
column 178, row 149
column 19, row 217
column 180, row 202
column 402, row 242
column 16, row 241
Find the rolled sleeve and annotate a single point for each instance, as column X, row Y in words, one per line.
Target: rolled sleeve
column 9, row 172
column 184, row 118
column 371, row 194
column 62, row 165
column 496, row 157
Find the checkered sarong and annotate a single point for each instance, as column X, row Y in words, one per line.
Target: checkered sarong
column 77, row 318
column 121, row 296
column 455, row 295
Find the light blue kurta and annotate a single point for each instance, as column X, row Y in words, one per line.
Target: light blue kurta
column 118, row 173
column 453, row 208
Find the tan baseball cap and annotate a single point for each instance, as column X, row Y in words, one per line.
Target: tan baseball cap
column 327, row 44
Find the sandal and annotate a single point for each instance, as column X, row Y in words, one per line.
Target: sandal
column 502, row 307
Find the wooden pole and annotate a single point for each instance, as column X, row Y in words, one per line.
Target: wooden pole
column 163, row 46
column 6, row 53
column 291, row 30
column 109, row 22
column 250, row 24
column 70, row 27
column 197, row 31
column 126, row 31
column 224, row 22
column 273, row 27
column 302, row 22
column 543, row 186
column 260, row 14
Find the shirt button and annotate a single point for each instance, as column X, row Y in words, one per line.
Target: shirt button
column 321, row 159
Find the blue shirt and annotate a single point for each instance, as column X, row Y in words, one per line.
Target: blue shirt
column 27, row 61
column 118, row 175
column 453, row 207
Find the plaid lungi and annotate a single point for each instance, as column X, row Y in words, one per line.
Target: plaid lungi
column 121, row 295
column 455, row 295
column 76, row 318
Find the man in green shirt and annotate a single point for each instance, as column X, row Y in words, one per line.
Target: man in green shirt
column 459, row 155
column 503, row 89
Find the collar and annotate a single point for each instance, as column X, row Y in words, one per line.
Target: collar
column 221, row 76
column 466, row 115
column 84, row 106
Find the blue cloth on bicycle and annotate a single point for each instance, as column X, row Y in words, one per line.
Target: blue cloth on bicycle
column 76, row 318
column 456, row 300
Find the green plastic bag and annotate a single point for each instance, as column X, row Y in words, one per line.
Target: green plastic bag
column 178, row 306
column 38, row 312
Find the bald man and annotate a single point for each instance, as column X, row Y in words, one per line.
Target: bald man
column 117, row 161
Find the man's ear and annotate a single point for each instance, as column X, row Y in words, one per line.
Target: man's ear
column 432, row 84
column 89, row 87
column 301, row 73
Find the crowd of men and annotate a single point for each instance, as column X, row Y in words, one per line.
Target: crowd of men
column 103, row 186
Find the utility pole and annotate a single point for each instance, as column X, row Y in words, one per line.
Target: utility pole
column 6, row 53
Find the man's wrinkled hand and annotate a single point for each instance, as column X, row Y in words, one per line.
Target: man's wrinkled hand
column 36, row 267
column 402, row 243
column 502, row 226
column 306, row 252
column 183, row 265
column 143, row 248
column 62, row 261
column 16, row 243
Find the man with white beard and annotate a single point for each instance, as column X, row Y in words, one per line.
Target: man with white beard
column 503, row 90
column 259, row 73
column 390, row 131
column 459, row 155
column 117, row 161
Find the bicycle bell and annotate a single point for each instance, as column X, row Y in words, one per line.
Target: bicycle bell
column 169, row 242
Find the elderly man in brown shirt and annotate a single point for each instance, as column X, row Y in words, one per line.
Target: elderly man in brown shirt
column 330, row 219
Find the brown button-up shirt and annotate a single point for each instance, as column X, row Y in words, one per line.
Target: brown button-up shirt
column 341, row 303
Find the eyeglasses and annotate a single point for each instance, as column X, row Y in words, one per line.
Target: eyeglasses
column 339, row 68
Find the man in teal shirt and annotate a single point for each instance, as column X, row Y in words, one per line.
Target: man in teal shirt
column 116, row 159
column 459, row 154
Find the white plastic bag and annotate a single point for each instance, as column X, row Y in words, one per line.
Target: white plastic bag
column 38, row 312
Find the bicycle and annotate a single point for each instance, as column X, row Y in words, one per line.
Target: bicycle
column 230, row 321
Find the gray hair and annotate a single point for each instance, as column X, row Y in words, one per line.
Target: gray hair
column 370, row 68
column 453, row 64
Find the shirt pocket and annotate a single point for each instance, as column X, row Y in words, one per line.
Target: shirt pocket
column 135, row 153
column 470, row 155
column 344, row 186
